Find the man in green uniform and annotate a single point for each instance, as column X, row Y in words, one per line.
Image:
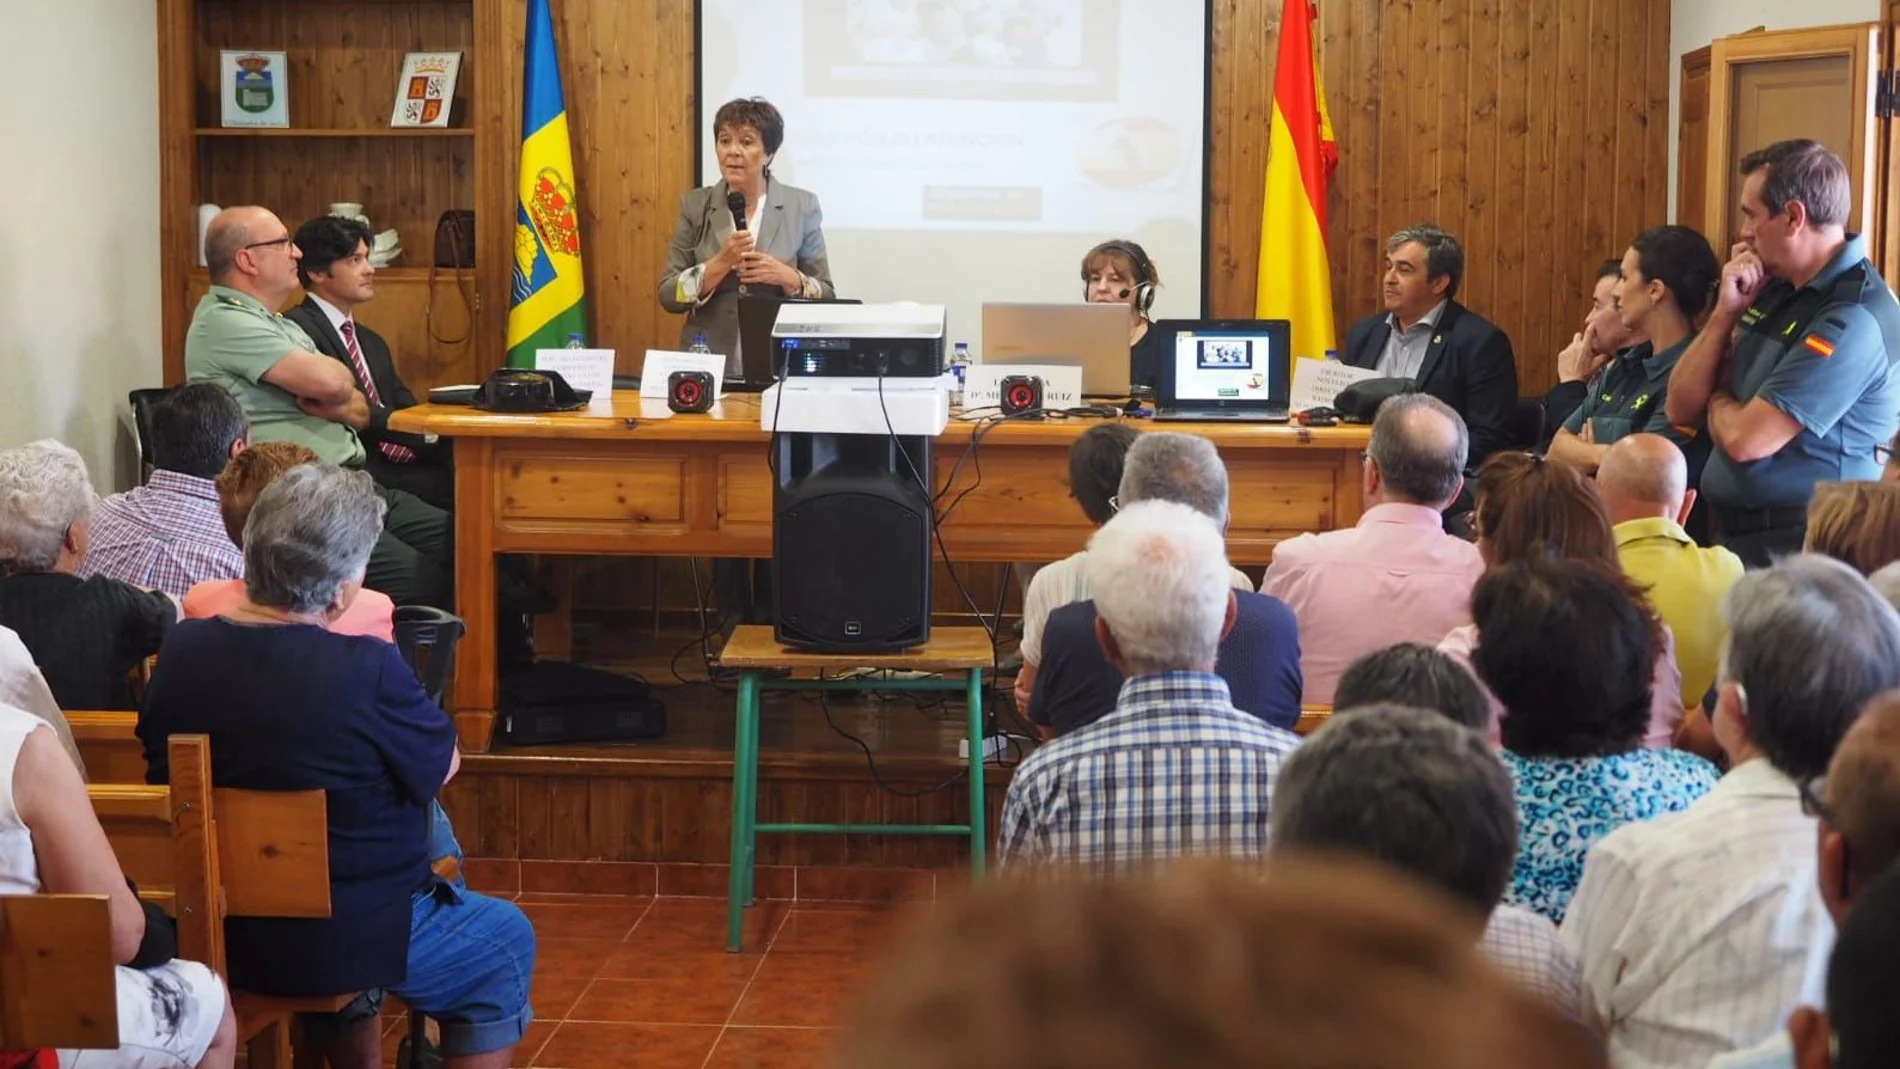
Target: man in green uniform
column 291, row 392
column 1793, row 375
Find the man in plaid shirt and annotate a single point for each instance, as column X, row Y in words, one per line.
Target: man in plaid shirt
column 168, row 534
column 1175, row 769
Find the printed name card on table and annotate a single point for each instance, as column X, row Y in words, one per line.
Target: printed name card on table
column 661, row 363
column 983, row 384
column 583, row 369
column 1317, row 382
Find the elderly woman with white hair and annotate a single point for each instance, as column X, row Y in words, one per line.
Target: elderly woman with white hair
column 291, row 705
column 88, row 635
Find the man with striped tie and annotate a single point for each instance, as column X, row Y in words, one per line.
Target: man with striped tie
column 337, row 276
column 291, row 392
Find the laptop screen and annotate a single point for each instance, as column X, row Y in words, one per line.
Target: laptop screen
column 1229, row 363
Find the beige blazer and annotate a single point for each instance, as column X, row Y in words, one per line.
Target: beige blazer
column 789, row 230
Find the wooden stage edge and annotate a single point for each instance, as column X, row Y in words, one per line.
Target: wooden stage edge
column 641, row 481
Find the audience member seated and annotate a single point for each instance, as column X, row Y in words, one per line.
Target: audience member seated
column 1442, row 811
column 1311, row 963
column 1425, row 335
column 238, row 485
column 1420, row 676
column 172, row 1013
column 1856, row 523
column 1643, row 482
column 1858, row 806
column 1861, row 1028
column 1259, row 656
column 1566, row 646
column 291, row 705
column 291, row 392
column 1698, row 932
column 165, row 535
column 1396, row 576
column 1580, row 364
column 1174, row 768
column 1667, row 275
column 1095, row 474
column 23, row 687
column 87, row 635
column 1533, row 509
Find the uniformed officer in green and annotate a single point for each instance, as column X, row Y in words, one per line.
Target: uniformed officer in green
column 1662, row 286
column 291, row 392
column 1793, row 375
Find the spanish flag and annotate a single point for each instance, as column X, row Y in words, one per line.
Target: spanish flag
column 548, row 300
column 1295, row 279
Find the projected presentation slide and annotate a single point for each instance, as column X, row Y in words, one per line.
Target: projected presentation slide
column 1222, row 367
column 972, row 150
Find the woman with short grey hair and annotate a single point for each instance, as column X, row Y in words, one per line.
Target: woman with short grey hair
column 88, row 635
column 307, row 544
column 291, row 705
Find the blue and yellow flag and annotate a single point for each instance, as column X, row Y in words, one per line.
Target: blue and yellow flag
column 549, row 300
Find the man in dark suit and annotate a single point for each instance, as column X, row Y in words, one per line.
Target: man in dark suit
column 1424, row 335
column 337, row 276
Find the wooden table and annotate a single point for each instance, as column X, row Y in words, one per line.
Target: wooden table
column 645, row 482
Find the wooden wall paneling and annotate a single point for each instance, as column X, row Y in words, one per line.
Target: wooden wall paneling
column 1511, row 163
column 1479, row 147
column 177, row 180
column 1652, row 158
column 1246, row 36
column 1692, row 141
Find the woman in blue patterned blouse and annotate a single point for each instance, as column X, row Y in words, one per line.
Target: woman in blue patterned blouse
column 1568, row 648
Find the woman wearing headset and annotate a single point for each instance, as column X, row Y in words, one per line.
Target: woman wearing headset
column 1119, row 272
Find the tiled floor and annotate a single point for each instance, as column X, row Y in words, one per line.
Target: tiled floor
column 634, row 983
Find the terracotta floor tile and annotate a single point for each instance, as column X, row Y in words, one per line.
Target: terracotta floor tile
column 553, row 995
column 817, row 965
column 588, row 877
column 867, row 930
column 774, row 1048
column 818, row 999
column 532, row 1042
column 627, row 1046
column 571, row 957
column 561, row 920
column 645, row 961
column 683, row 998
column 681, row 924
column 569, row 898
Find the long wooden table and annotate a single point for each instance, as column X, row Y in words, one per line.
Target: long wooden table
column 646, row 482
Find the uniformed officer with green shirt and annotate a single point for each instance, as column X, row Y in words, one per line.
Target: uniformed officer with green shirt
column 1793, row 375
column 290, row 392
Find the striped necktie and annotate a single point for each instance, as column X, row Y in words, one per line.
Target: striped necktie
column 400, row 454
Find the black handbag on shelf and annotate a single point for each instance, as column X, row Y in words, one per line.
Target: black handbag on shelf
column 454, row 250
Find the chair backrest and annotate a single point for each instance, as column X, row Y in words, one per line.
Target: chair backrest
column 1527, row 423
column 143, row 401
column 57, row 984
column 109, row 745
column 205, row 854
column 427, row 638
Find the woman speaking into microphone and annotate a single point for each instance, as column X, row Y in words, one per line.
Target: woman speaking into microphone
column 744, row 230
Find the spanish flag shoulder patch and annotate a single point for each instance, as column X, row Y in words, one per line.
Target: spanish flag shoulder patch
column 1819, row 345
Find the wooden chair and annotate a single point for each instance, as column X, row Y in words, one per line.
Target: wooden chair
column 57, row 984
column 109, row 744
column 208, row 854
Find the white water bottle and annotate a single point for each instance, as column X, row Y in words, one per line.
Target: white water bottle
column 574, row 341
column 699, row 344
column 960, row 366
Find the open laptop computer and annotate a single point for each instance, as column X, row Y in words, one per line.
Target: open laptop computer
column 1093, row 337
column 758, row 314
column 1226, row 369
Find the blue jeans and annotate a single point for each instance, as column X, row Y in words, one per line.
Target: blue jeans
column 470, row 960
column 442, row 841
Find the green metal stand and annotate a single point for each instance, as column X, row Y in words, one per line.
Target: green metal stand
column 746, row 828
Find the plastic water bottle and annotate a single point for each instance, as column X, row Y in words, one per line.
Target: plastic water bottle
column 574, row 341
column 699, row 344
column 960, row 366
column 1332, row 356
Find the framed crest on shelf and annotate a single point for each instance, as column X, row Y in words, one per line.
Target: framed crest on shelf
column 254, row 88
column 426, row 90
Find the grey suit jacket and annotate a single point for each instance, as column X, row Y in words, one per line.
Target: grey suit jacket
column 789, row 231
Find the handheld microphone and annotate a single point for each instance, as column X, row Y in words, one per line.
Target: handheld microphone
column 735, row 200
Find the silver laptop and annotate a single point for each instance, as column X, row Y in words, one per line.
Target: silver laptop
column 1093, row 337
column 1226, row 369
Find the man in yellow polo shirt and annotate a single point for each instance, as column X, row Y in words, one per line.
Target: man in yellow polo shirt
column 1643, row 481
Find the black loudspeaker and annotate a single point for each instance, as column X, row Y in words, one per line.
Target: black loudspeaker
column 851, row 533
column 689, row 391
column 1018, row 394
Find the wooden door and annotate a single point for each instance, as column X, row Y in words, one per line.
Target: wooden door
column 1764, row 87
column 1692, row 138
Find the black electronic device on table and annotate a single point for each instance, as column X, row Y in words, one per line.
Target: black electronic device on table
column 758, row 313
column 1226, row 370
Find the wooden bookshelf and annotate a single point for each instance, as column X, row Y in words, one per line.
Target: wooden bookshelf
column 344, row 59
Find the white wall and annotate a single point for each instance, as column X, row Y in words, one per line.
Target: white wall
column 1694, row 23
column 79, row 286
